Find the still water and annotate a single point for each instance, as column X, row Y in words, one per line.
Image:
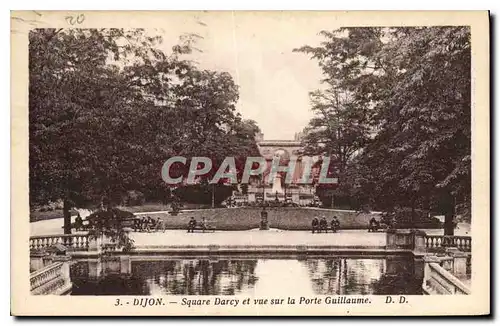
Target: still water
column 322, row 276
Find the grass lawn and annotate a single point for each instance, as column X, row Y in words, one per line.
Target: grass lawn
column 58, row 213
column 47, row 215
column 147, row 207
column 246, row 218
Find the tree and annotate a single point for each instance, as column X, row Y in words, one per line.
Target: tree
column 412, row 87
column 107, row 108
column 80, row 98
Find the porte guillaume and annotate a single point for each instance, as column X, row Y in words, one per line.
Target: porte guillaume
column 334, row 300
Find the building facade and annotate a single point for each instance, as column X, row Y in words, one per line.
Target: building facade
column 275, row 188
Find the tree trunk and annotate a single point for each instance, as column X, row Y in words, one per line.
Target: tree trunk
column 449, row 215
column 449, row 228
column 67, row 217
column 213, row 196
column 412, row 217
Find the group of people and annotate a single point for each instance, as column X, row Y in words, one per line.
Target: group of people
column 319, row 225
column 148, row 224
column 193, row 225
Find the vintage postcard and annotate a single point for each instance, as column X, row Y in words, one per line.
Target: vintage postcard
column 232, row 163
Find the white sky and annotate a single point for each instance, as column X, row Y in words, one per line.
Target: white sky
column 256, row 49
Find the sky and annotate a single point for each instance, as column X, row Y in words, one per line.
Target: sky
column 256, row 49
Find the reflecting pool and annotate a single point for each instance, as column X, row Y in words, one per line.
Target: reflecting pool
column 135, row 275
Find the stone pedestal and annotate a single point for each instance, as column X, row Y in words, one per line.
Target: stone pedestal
column 251, row 198
column 264, row 225
column 277, row 188
column 459, row 258
column 37, row 260
column 399, row 239
column 447, row 263
column 95, row 244
column 95, row 268
column 296, row 198
column 125, row 265
column 65, row 267
column 419, row 241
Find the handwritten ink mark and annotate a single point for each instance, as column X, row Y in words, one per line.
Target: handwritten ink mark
column 72, row 20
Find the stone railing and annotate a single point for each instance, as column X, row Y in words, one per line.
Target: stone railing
column 52, row 279
column 438, row 280
column 435, row 242
column 75, row 242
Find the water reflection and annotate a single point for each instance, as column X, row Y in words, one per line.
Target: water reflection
column 197, row 277
column 363, row 276
column 324, row 276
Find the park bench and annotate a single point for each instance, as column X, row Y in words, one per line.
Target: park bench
column 85, row 226
column 380, row 227
column 325, row 230
column 138, row 225
column 199, row 228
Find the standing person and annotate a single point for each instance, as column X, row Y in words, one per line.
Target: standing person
column 191, row 224
column 315, row 224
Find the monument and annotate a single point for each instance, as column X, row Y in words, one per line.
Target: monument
column 268, row 188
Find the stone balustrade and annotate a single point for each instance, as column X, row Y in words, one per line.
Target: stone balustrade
column 51, row 279
column 417, row 240
column 75, row 242
column 437, row 242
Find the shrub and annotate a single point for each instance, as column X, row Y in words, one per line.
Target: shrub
column 202, row 194
column 134, row 198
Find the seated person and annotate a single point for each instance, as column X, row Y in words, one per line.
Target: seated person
column 191, row 224
column 148, row 223
column 143, row 223
column 78, row 222
column 335, row 224
column 159, row 224
column 374, row 225
column 315, row 224
column 137, row 224
column 203, row 224
column 323, row 224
